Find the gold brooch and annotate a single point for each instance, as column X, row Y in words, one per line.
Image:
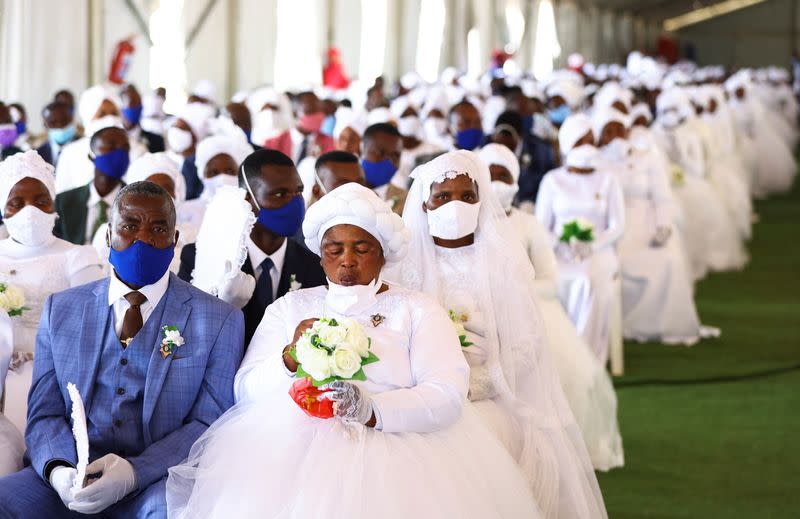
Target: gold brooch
column 597, row 196
column 377, row 320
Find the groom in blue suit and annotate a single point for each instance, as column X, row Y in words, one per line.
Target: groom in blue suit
column 149, row 391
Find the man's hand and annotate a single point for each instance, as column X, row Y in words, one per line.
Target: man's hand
column 237, row 289
column 61, row 479
column 117, row 480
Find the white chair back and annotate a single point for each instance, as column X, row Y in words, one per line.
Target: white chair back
column 6, row 347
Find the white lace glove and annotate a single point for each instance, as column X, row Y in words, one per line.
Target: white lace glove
column 350, row 402
column 62, row 479
column 582, row 249
column 118, row 479
column 661, row 236
column 238, row 289
column 481, row 386
column 564, row 252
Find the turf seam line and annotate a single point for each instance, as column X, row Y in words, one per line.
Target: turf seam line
column 713, row 380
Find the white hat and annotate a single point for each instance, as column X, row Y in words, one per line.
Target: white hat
column 25, row 165
column 210, row 147
column 499, row 154
column 152, row 163
column 197, row 115
column 205, row 89
column 601, row 118
column 91, row 100
column 348, row 118
column 354, row 204
column 573, row 129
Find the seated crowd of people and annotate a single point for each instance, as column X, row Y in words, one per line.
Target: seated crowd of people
column 479, row 231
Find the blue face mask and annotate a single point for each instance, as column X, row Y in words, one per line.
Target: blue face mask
column 21, row 127
column 113, row 164
column 380, row 173
column 286, row 220
column 527, row 124
column 132, row 115
column 469, row 139
column 141, row 264
column 327, row 125
column 559, row 115
column 61, row 136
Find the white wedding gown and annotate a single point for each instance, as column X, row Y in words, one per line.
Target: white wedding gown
column 586, row 383
column 38, row 272
column 657, row 289
column 585, row 287
column 433, row 458
column 11, row 444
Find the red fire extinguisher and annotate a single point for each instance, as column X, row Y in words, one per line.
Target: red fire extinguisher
column 123, row 54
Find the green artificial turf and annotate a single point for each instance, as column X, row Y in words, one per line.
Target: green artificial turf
column 714, row 430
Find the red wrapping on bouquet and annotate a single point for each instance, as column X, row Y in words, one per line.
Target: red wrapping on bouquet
column 305, row 395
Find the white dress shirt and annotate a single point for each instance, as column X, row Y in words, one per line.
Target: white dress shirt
column 297, row 143
column 55, row 150
column 91, row 205
column 116, row 298
column 257, row 256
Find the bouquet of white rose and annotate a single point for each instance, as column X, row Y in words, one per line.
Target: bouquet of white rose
column 578, row 230
column 12, row 300
column 329, row 350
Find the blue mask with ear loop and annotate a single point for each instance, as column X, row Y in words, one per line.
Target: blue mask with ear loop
column 113, row 164
column 559, row 115
column 141, row 264
column 327, row 125
column 283, row 221
column 469, row 139
column 132, row 115
column 378, row 174
column 21, row 127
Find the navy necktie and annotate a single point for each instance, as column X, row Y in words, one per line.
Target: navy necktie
column 263, row 290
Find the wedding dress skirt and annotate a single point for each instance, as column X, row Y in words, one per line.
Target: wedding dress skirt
column 586, row 385
column 269, row 460
column 709, row 234
column 657, row 291
column 777, row 167
column 729, row 181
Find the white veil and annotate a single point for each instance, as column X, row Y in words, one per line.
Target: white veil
column 553, row 456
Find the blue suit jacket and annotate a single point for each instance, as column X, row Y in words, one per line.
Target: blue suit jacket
column 183, row 394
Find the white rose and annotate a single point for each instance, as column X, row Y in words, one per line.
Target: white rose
column 584, row 224
column 460, row 330
column 12, row 299
column 332, row 336
column 315, row 362
column 356, row 339
column 174, row 336
column 345, row 362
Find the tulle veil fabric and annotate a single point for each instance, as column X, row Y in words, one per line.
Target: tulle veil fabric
column 553, row 457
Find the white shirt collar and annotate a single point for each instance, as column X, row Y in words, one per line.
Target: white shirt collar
column 297, row 135
column 94, row 196
column 117, row 289
column 257, row 256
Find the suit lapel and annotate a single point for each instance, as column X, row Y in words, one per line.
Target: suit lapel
column 175, row 312
column 78, row 230
column 96, row 313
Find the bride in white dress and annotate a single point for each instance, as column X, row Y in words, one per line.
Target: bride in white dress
column 657, row 290
column 403, row 444
column 466, row 255
column 35, row 262
column 586, row 383
column 11, row 444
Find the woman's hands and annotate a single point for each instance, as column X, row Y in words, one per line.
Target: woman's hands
column 304, row 325
column 351, row 403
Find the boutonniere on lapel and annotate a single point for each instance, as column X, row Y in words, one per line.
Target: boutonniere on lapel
column 294, row 284
column 172, row 339
column 377, row 320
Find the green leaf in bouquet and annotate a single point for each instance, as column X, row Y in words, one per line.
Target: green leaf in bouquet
column 293, row 355
column 318, row 383
column 359, row 375
column 16, row 312
column 371, row 358
column 464, row 342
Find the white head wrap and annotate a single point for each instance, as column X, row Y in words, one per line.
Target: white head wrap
column 674, row 99
column 348, row 118
column 379, row 115
column 573, row 129
column 437, row 100
column 608, row 115
column 152, row 163
column 570, row 91
column 354, row 204
column 210, row 147
column 91, row 100
column 25, row 165
column 641, row 110
column 197, row 115
column 610, row 93
column 499, row 154
column 400, row 105
column 494, row 106
column 205, row 89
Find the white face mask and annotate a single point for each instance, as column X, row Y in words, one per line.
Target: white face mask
column 617, row 150
column 107, row 121
column 583, row 156
column 638, row 138
column 213, row 184
column 434, row 128
column 453, row 220
column 543, row 128
column 669, row 119
column 353, row 299
column 410, row 126
column 505, row 193
column 179, row 140
column 31, row 226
